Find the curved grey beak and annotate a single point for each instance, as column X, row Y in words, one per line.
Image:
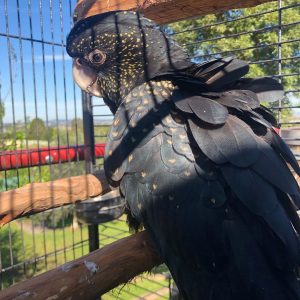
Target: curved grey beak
column 86, row 78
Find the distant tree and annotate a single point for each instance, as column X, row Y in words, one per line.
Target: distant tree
column 51, row 134
column 12, row 139
column 76, row 133
column 37, row 130
column 11, row 251
column 255, row 46
column 77, row 123
column 259, row 44
column 2, row 111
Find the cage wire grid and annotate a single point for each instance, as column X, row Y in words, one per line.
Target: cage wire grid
column 40, row 108
column 34, row 50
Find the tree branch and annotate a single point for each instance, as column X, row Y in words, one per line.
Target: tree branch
column 162, row 11
column 90, row 276
column 37, row 197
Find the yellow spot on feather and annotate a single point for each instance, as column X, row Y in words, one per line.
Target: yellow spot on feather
column 116, row 121
column 172, row 161
column 187, row 173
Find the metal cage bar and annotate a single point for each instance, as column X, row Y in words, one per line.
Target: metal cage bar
column 37, row 84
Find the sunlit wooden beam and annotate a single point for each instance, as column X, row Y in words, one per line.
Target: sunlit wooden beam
column 162, row 11
column 92, row 275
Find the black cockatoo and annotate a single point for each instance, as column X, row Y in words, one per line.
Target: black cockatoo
column 196, row 158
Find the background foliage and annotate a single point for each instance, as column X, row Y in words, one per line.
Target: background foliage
column 257, row 45
column 253, row 38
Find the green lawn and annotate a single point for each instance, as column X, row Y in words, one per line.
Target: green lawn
column 142, row 286
column 48, row 248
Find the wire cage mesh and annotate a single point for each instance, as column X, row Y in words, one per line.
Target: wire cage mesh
column 267, row 36
column 42, row 111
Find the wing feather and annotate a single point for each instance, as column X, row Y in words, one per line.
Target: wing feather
column 272, row 168
column 245, row 184
column 233, row 142
column 266, row 89
column 207, row 110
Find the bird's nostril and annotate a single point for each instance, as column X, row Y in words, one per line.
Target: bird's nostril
column 78, row 61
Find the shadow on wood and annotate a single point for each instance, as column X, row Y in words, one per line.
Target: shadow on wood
column 90, row 276
column 37, row 197
column 162, row 11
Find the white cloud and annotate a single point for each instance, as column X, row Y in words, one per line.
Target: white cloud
column 38, row 59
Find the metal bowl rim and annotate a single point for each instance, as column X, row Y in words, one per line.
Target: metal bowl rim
column 114, row 194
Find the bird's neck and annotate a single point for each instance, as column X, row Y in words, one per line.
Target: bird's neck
column 133, row 73
column 116, row 87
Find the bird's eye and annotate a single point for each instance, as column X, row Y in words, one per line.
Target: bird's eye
column 97, row 57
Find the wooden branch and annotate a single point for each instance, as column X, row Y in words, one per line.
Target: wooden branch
column 37, row 197
column 90, row 276
column 162, row 11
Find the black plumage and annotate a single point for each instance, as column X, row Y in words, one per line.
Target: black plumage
column 196, row 159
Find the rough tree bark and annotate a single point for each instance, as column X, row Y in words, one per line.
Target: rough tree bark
column 90, row 276
column 37, row 197
column 162, row 11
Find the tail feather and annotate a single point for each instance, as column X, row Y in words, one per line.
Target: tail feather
column 267, row 89
column 220, row 72
column 261, row 279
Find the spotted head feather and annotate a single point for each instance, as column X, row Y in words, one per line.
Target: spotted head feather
column 120, row 50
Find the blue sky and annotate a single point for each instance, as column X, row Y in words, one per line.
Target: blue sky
column 60, row 97
column 24, row 99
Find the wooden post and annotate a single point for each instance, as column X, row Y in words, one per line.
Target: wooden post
column 90, row 276
column 37, row 197
column 162, row 11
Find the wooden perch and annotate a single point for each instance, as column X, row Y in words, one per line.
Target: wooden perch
column 90, row 276
column 37, row 197
column 162, row 11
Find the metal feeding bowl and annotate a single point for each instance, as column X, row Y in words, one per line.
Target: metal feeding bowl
column 100, row 209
